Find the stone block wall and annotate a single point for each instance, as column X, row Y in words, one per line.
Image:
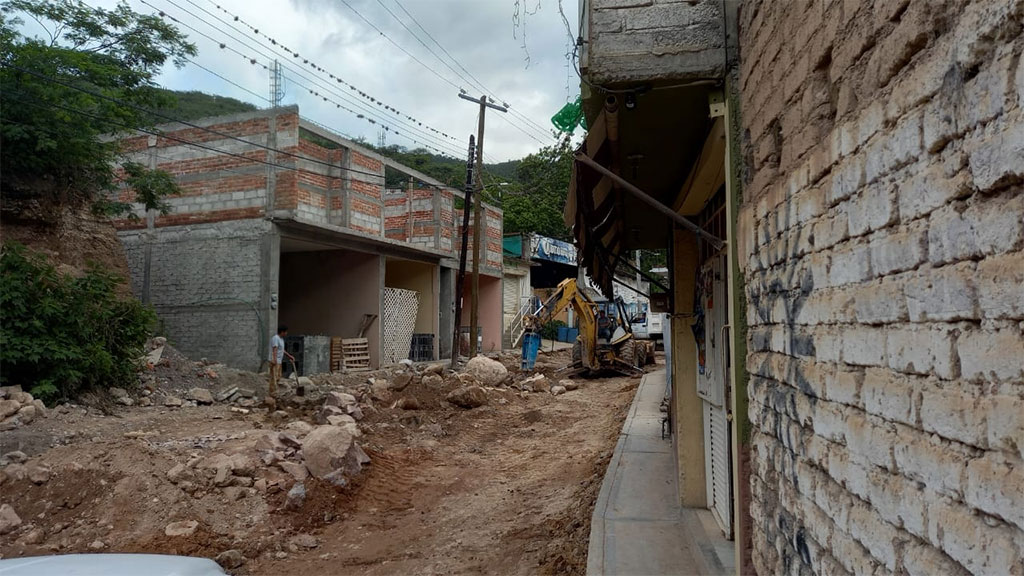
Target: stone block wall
column 651, row 40
column 882, row 245
column 206, row 283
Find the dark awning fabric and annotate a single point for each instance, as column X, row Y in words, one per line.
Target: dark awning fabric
column 593, row 210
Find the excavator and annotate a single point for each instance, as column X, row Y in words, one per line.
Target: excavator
column 617, row 350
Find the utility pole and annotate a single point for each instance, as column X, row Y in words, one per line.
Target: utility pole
column 474, row 312
column 461, row 281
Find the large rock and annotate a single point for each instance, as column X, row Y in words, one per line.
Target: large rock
column 27, row 414
column 569, row 385
column 433, row 381
column 486, row 371
column 9, row 407
column 9, row 519
column 468, row 397
column 434, row 369
column 557, row 390
column 200, row 396
column 330, row 448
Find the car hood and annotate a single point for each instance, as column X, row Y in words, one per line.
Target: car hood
column 110, row 565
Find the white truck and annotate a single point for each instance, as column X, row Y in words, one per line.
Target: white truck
column 648, row 325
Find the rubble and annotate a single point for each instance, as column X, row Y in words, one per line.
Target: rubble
column 468, row 397
column 9, row 519
column 304, row 541
column 432, row 380
column 434, row 369
column 9, row 407
column 569, row 385
column 557, row 390
column 16, row 456
column 297, row 470
column 296, row 497
column 409, row 403
column 401, row 381
column 230, row 559
column 486, row 371
column 200, row 396
column 536, row 383
column 38, row 474
column 181, row 528
column 172, row 402
column 299, row 428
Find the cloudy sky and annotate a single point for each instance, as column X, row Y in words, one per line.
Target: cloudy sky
column 333, row 35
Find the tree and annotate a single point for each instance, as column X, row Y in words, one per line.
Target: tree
column 92, row 76
column 535, row 202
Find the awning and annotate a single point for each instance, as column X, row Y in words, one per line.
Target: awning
column 594, row 205
column 590, row 210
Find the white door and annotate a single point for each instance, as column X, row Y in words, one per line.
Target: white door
column 712, row 388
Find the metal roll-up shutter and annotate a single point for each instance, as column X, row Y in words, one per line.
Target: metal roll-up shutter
column 721, row 467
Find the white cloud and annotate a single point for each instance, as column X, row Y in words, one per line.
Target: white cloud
column 477, row 33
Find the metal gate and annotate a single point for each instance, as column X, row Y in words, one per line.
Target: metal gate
column 712, row 387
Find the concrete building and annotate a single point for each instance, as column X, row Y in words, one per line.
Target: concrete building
column 281, row 220
column 846, row 389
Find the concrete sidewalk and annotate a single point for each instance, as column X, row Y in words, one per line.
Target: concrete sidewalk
column 637, row 527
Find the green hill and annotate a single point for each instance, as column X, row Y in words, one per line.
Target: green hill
column 193, row 104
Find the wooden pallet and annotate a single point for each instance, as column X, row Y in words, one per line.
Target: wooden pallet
column 350, row 354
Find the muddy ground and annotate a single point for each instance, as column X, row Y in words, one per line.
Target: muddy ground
column 507, row 488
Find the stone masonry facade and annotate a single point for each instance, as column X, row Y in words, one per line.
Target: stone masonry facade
column 882, row 249
column 652, row 40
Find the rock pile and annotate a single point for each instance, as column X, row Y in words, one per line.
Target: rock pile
column 18, row 408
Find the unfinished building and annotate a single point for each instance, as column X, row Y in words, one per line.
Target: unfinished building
column 283, row 221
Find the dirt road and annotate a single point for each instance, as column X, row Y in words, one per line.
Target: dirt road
column 505, row 488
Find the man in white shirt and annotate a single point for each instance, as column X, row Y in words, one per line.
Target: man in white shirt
column 277, row 354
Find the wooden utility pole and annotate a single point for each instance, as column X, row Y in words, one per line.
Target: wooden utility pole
column 461, row 281
column 474, row 311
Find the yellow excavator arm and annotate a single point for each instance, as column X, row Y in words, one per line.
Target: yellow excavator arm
column 568, row 294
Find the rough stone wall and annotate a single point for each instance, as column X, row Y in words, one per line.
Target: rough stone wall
column 882, row 243
column 205, row 283
column 650, row 40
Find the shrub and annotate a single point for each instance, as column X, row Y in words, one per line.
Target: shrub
column 550, row 330
column 61, row 334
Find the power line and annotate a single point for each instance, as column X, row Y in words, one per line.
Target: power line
column 255, row 61
column 471, row 80
column 311, row 63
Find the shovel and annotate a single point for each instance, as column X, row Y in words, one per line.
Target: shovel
column 300, row 390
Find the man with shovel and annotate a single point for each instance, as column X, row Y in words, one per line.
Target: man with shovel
column 277, row 354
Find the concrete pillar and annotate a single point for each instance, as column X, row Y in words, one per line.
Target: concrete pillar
column 687, row 413
column 446, row 314
column 270, row 288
